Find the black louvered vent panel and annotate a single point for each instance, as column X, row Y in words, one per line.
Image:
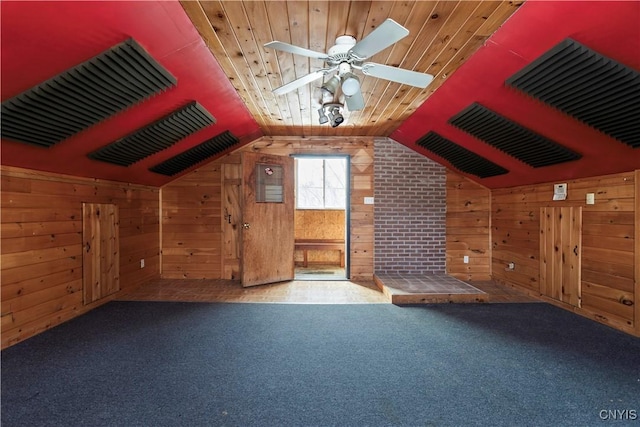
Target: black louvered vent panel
column 508, row 136
column 84, row 95
column 592, row 88
column 155, row 137
column 461, row 158
column 195, row 155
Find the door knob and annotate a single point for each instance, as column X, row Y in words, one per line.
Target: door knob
column 246, row 225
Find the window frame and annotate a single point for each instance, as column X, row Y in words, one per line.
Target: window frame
column 323, row 157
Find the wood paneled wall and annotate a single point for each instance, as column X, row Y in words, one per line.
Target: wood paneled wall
column 42, row 245
column 195, row 207
column 361, row 151
column 468, row 223
column 609, row 253
column 191, row 225
column 319, row 224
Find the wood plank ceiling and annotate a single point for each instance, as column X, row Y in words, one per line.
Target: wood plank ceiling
column 443, row 35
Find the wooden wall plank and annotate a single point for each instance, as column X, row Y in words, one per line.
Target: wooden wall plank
column 319, row 224
column 192, row 224
column 468, row 228
column 608, row 243
column 556, row 250
column 636, row 293
column 42, row 246
column 223, row 175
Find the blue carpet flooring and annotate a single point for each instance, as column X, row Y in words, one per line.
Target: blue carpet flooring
column 181, row 364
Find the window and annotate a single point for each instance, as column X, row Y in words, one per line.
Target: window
column 320, row 183
column 269, row 185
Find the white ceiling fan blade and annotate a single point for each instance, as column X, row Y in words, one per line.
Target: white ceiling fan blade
column 355, row 102
column 296, row 50
column 398, row 75
column 386, row 34
column 299, row 82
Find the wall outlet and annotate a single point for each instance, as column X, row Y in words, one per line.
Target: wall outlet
column 465, row 259
column 591, row 198
column 368, row 200
column 142, row 263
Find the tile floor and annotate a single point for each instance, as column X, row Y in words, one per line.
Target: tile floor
column 442, row 288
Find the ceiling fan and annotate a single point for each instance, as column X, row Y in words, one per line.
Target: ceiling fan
column 347, row 55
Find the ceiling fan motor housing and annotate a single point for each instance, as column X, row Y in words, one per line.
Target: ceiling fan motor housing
column 339, row 52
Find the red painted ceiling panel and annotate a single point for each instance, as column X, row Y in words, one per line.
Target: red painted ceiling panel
column 610, row 28
column 43, row 39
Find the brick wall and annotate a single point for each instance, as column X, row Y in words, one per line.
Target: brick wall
column 410, row 209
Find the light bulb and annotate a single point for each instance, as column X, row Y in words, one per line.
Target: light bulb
column 331, row 85
column 350, row 86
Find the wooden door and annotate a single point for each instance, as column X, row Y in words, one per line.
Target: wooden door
column 101, row 258
column 560, row 249
column 267, row 219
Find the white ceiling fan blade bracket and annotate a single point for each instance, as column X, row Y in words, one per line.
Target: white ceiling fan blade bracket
column 353, row 58
column 398, row 75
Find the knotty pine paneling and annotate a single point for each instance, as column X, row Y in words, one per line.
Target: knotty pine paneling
column 637, row 252
column 609, row 269
column 319, row 224
column 362, row 157
column 41, row 220
column 192, row 225
column 442, row 36
column 197, row 201
column 468, row 225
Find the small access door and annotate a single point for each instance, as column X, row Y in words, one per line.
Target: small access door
column 560, row 249
column 267, row 213
column 101, row 256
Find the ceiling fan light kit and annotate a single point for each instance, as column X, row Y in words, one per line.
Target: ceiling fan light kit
column 332, row 85
column 333, row 113
column 347, row 55
column 323, row 116
column 350, row 84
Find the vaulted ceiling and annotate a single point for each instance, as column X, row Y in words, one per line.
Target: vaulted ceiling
column 213, row 80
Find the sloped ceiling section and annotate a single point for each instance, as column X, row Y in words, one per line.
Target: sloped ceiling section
column 588, row 86
column 586, row 106
column 155, row 137
column 478, row 52
column 529, row 147
column 84, row 95
column 42, row 40
column 197, row 154
column 462, row 159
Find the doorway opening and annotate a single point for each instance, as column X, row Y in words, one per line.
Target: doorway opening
column 321, row 220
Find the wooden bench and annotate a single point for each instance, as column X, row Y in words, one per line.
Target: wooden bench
column 320, row 245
